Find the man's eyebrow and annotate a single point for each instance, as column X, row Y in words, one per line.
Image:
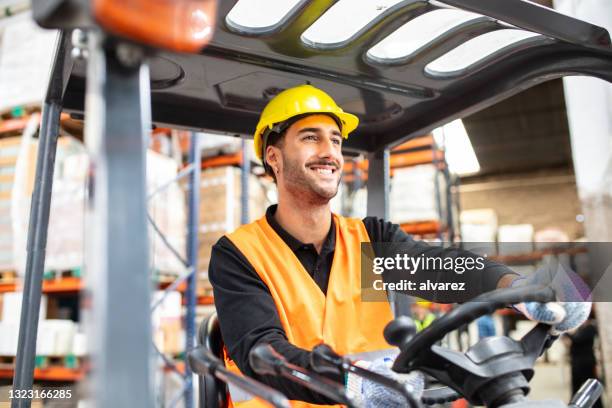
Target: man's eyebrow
column 310, row 129
column 315, row 129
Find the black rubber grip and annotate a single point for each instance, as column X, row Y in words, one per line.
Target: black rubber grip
column 439, row 395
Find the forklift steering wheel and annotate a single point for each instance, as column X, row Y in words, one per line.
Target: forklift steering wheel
column 493, row 372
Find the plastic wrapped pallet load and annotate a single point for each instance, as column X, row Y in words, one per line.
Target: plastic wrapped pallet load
column 220, row 205
column 167, row 207
column 515, row 239
column 479, row 230
column 55, row 337
column 66, row 235
column 414, row 196
column 213, row 145
column 17, row 168
column 9, row 321
column 168, row 335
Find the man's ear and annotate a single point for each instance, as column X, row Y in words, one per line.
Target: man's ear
column 273, row 158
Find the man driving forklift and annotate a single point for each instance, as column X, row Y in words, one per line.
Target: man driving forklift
column 292, row 278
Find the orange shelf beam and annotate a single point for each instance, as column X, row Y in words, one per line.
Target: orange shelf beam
column 416, row 143
column 50, row 374
column 16, row 124
column 415, row 158
column 400, row 160
column 421, row 228
column 13, row 125
column 225, row 160
column 63, row 285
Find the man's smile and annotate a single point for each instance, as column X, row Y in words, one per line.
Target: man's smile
column 324, row 169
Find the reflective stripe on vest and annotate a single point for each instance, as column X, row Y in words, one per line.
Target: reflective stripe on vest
column 339, row 319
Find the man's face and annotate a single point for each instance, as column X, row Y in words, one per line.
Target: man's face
column 420, row 312
column 310, row 162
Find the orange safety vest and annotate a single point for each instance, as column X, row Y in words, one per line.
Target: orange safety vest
column 309, row 317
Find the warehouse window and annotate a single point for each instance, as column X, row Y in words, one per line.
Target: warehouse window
column 458, row 148
column 248, row 16
column 345, row 20
column 420, row 32
column 458, row 60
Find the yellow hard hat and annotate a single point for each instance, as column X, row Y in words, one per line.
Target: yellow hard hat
column 300, row 100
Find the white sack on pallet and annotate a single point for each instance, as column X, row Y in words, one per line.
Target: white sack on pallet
column 11, row 307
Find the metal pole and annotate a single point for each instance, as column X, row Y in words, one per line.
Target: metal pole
column 117, row 298
column 38, row 227
column 245, row 168
column 192, row 256
column 378, row 184
column 36, row 251
column 378, row 206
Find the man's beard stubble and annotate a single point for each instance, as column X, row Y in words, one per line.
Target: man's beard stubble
column 304, row 187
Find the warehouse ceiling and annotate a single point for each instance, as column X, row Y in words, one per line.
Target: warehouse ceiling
column 523, row 133
column 526, row 132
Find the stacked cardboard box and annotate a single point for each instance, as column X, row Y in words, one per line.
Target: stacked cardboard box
column 66, row 236
column 220, row 212
column 168, row 332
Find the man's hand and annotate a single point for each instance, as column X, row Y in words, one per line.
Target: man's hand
column 375, row 395
column 573, row 304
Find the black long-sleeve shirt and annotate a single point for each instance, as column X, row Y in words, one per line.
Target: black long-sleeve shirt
column 247, row 312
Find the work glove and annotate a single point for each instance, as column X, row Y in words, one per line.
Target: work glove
column 573, row 304
column 374, row 395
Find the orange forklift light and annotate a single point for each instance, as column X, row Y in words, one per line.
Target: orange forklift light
column 177, row 25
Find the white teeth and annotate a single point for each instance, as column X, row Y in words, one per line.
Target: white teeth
column 324, row 171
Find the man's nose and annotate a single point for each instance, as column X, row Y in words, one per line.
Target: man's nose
column 329, row 149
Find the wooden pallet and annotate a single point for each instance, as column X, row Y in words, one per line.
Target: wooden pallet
column 63, row 273
column 8, row 276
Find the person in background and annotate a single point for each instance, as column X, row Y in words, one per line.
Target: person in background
column 422, row 314
column 486, row 326
column 582, row 354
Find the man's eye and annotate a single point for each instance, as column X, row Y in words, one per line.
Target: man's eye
column 337, row 141
column 310, row 137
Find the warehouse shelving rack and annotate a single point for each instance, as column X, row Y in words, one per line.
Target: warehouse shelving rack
column 401, row 100
column 418, row 151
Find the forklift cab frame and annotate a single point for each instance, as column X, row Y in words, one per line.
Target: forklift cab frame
column 121, row 87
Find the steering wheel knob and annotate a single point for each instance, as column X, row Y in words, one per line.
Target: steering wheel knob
column 400, row 331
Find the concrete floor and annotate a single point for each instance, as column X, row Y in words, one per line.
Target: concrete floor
column 551, row 381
